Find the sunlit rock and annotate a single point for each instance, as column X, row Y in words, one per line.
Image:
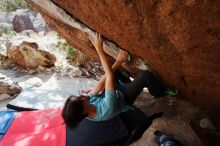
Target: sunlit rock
column 28, row 55
column 10, row 89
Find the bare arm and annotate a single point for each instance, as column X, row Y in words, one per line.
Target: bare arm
column 108, row 78
column 109, row 82
column 101, row 82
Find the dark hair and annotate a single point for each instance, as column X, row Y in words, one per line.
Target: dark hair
column 73, row 111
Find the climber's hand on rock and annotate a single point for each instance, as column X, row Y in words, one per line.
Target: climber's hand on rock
column 98, row 42
column 122, row 57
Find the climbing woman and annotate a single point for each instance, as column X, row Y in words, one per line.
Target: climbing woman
column 116, row 99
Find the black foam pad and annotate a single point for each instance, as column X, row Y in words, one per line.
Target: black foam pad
column 92, row 133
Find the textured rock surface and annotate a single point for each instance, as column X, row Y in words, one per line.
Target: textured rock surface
column 176, row 127
column 10, row 89
column 22, row 22
column 27, row 55
column 178, row 39
column 181, row 114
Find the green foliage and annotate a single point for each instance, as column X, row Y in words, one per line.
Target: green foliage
column 5, row 62
column 171, row 92
column 70, row 52
column 4, row 30
column 74, row 57
column 12, row 5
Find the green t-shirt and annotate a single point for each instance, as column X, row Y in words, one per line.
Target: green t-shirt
column 108, row 105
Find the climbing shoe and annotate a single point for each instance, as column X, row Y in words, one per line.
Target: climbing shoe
column 166, row 139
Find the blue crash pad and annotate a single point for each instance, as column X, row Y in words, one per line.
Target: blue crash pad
column 6, row 118
column 92, row 133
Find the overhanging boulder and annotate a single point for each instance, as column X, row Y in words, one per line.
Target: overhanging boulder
column 178, row 39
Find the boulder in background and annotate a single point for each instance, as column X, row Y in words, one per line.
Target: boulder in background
column 9, row 89
column 27, row 55
column 22, row 22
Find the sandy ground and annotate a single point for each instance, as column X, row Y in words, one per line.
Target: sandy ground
column 47, row 85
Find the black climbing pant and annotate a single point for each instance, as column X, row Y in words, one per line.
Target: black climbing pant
column 135, row 120
column 143, row 79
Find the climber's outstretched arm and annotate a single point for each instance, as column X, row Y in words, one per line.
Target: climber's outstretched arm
column 101, row 83
column 109, row 83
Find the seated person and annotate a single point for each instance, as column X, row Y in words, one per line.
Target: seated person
column 102, row 107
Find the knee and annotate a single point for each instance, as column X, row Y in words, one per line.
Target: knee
column 148, row 77
column 145, row 74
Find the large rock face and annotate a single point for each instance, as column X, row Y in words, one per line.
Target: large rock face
column 178, row 39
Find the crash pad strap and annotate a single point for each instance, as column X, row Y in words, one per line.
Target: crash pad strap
column 18, row 108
